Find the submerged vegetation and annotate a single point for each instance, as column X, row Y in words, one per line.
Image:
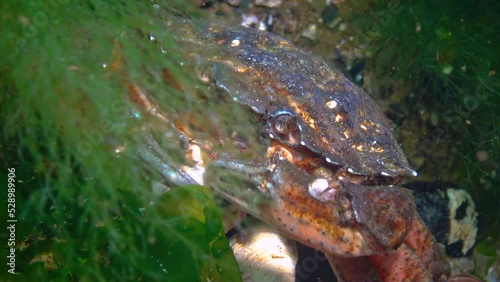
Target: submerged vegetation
column 84, row 204
column 86, row 208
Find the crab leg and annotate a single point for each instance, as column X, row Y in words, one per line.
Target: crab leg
column 401, row 265
column 410, row 262
column 423, row 244
column 158, row 159
column 353, row 269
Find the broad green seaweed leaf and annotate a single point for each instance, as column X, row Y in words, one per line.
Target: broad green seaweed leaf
column 194, row 227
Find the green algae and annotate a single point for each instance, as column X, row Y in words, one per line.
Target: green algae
column 85, row 209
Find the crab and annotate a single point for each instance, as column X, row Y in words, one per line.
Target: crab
column 328, row 174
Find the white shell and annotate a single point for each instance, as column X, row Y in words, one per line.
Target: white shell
column 464, row 229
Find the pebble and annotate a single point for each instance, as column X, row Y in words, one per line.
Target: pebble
column 268, row 3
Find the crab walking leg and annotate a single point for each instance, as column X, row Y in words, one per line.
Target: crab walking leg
column 401, row 265
column 426, row 262
column 353, row 269
column 418, row 259
column 158, row 159
column 423, row 244
column 152, row 154
column 419, row 262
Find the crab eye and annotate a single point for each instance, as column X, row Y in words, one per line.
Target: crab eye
column 285, row 124
column 284, row 128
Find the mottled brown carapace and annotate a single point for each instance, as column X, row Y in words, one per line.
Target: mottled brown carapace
column 332, row 116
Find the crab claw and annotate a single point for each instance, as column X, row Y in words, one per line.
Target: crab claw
column 383, row 214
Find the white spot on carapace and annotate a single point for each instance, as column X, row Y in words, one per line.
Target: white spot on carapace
column 376, row 150
column 338, row 118
column 235, row 42
column 331, row 104
column 302, row 143
column 328, row 160
column 385, row 173
column 241, row 69
column 309, row 121
column 350, row 170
